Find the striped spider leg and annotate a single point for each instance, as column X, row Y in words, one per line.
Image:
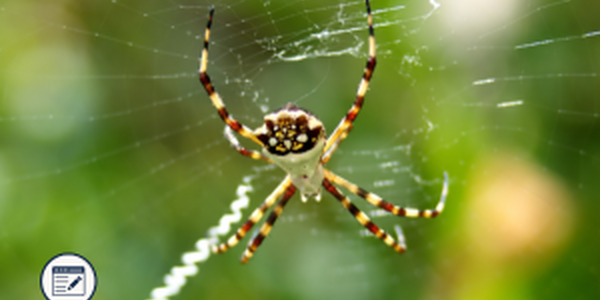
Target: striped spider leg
column 266, row 227
column 243, row 151
column 243, row 130
column 363, row 219
column 375, row 200
column 256, row 215
column 295, row 140
column 343, row 129
column 400, row 246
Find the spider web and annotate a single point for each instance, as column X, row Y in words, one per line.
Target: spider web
column 111, row 149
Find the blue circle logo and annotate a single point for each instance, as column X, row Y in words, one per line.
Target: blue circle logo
column 68, row 276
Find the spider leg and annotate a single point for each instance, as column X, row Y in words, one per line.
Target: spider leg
column 236, row 144
column 362, row 217
column 256, row 215
column 266, row 227
column 214, row 96
column 344, row 127
column 334, row 145
column 379, row 202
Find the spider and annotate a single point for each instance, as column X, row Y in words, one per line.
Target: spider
column 295, row 140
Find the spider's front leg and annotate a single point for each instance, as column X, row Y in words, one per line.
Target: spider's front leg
column 364, row 220
column 214, row 96
column 265, row 229
column 387, row 206
column 256, row 215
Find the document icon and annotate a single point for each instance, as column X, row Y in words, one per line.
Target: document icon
column 68, row 281
column 68, row 276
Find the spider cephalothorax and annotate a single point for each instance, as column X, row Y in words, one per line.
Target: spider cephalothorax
column 295, row 140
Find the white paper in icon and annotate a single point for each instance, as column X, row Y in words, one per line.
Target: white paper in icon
column 68, row 281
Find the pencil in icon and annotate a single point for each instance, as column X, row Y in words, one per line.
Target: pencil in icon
column 74, row 283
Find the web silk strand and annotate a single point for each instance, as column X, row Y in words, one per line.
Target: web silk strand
column 176, row 279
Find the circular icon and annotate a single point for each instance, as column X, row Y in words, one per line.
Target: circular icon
column 68, row 276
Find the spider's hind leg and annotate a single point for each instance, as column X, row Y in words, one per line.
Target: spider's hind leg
column 238, row 147
column 345, row 125
column 214, row 96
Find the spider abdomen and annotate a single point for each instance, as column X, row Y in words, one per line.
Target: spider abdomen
column 294, row 139
column 290, row 130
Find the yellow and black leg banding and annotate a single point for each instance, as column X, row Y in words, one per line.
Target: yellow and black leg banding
column 238, row 147
column 214, row 96
column 362, row 217
column 393, row 209
column 268, row 225
column 256, row 215
column 344, row 127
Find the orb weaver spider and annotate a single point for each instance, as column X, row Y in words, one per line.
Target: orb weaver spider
column 295, row 140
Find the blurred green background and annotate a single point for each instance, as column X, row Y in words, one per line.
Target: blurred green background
column 110, row 148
